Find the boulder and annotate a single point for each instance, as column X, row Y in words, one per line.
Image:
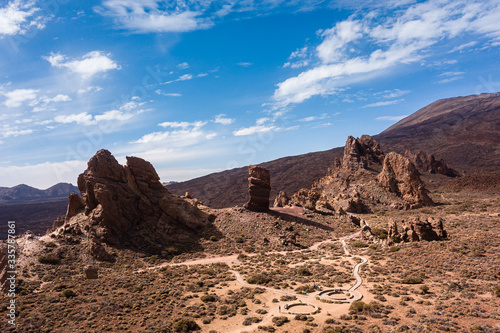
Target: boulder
column 400, row 176
column 306, row 198
column 91, row 272
column 259, row 188
column 75, row 206
column 361, row 153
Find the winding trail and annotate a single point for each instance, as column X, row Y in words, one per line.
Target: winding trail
column 233, row 259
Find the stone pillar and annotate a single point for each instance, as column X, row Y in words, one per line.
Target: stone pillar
column 259, row 188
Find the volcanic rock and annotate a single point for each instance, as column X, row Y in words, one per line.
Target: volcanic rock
column 91, row 272
column 259, row 188
column 59, row 222
column 427, row 163
column 400, row 176
column 281, row 199
column 127, row 205
column 416, row 229
column 361, row 153
column 306, row 198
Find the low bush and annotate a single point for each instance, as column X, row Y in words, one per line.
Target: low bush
column 412, row 280
column 68, row 293
column 281, row 320
column 259, row 279
column 51, row 259
column 251, row 320
column 186, row 325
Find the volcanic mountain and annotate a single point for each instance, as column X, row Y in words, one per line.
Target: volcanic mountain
column 464, row 131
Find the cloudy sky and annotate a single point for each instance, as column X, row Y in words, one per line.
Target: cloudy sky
column 201, row 86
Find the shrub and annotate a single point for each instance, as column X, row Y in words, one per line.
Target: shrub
column 281, row 320
column 248, row 249
column 239, row 240
column 359, row 244
column 171, row 250
column 213, row 238
column 424, row 288
column 394, row 248
column 186, row 325
column 259, row 279
column 303, row 271
column 412, row 280
column 68, row 293
column 207, row 298
column 51, row 259
column 380, row 233
column 51, row 244
column 251, row 320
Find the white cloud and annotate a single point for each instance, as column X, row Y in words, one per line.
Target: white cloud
column 210, row 136
column 159, row 92
column 244, row 64
column 463, row 46
column 183, row 65
column 81, row 119
column 88, row 89
column 384, row 103
column 114, row 115
column 89, row 65
column 14, row 132
column 17, row 97
column 313, row 118
column 150, row 16
column 450, row 76
column 221, row 119
column 254, row 129
column 404, row 37
column 336, row 39
column 14, row 18
column 184, row 77
column 392, row 93
column 183, row 134
column 55, row 99
column 392, row 118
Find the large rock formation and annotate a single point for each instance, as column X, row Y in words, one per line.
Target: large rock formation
column 361, row 153
column 427, row 163
column 259, row 188
column 127, row 205
column 400, row 176
column 416, row 229
column 352, row 185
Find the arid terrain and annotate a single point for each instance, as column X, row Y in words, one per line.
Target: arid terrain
column 378, row 241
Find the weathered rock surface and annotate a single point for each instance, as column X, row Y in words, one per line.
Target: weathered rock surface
column 400, row 176
column 416, row 229
column 281, row 200
column 127, row 205
column 361, row 153
column 427, row 163
column 91, row 272
column 259, row 188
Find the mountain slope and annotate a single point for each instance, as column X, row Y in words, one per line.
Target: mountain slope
column 465, row 131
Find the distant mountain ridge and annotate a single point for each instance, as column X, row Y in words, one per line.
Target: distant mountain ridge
column 26, row 194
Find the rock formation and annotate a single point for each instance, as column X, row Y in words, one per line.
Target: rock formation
column 259, row 188
column 425, row 162
column 400, row 176
column 361, row 153
column 281, row 200
column 416, row 229
column 127, row 205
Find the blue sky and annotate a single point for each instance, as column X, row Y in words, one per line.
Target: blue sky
column 197, row 87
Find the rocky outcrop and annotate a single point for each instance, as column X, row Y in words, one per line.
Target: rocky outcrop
column 127, row 205
column 306, row 198
column 425, row 162
column 361, row 153
column 259, row 188
column 281, row 200
column 416, row 229
column 400, row 176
